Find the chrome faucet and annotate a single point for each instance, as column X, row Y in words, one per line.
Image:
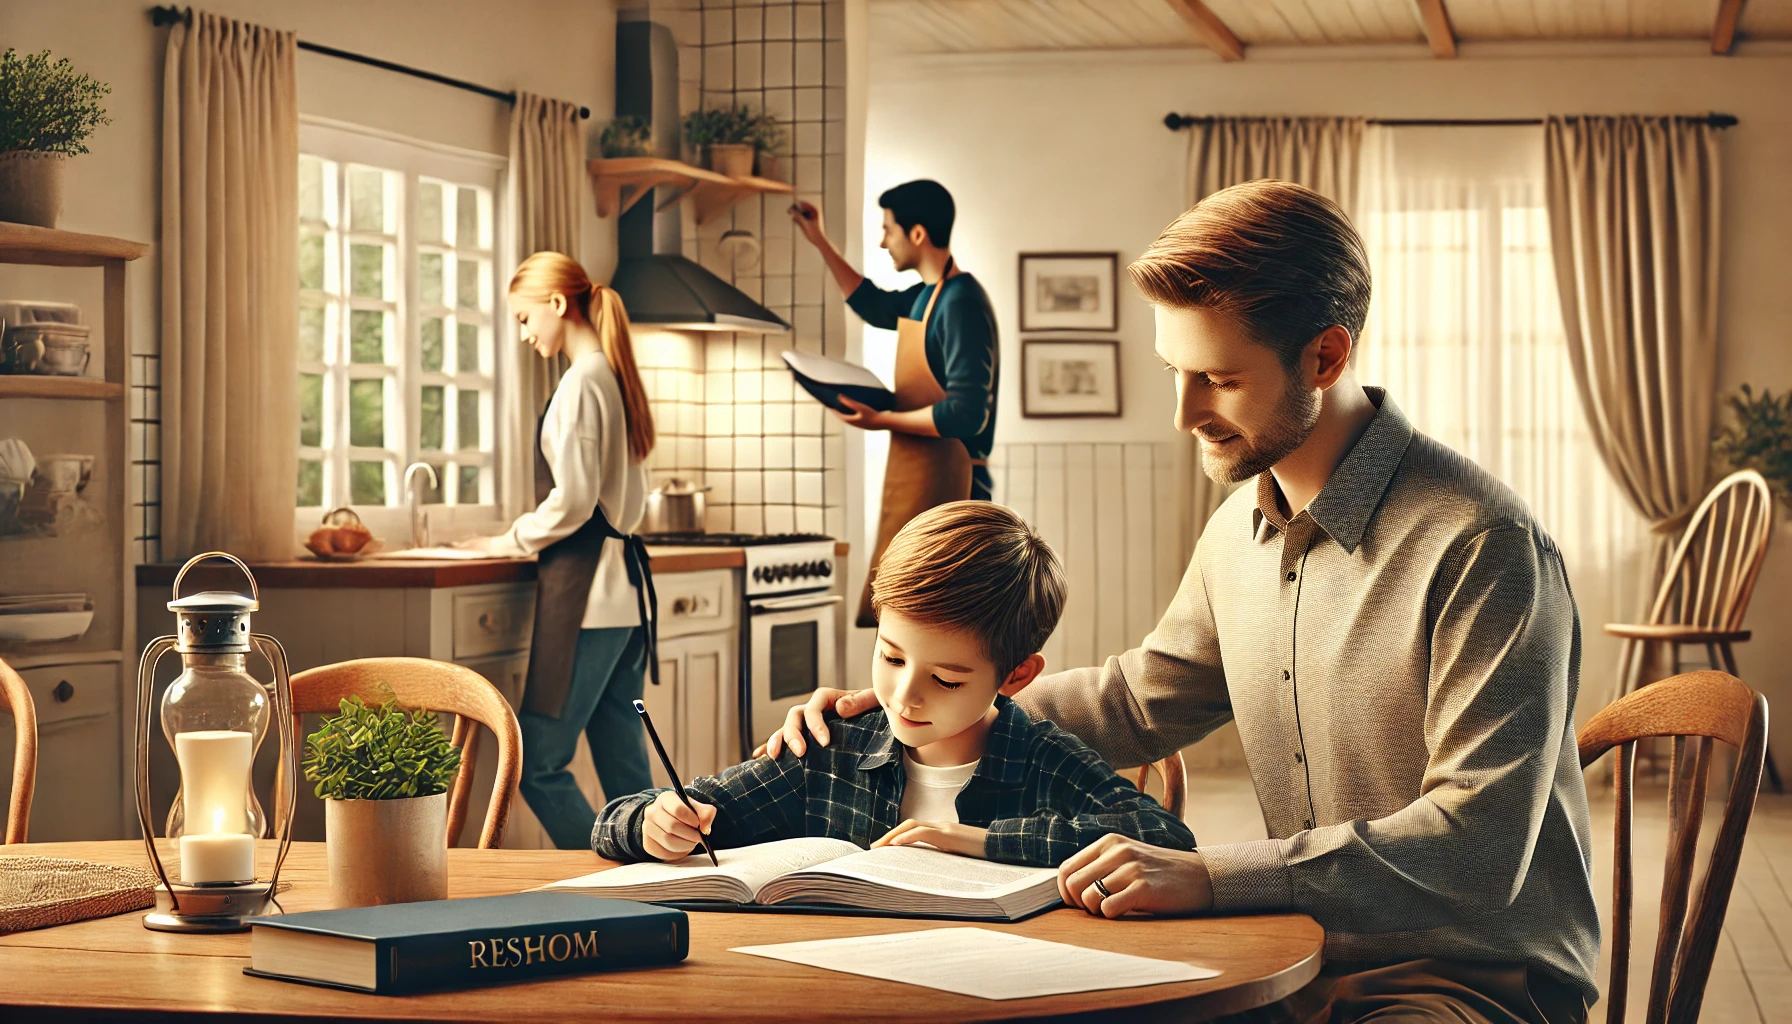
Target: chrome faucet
column 419, row 518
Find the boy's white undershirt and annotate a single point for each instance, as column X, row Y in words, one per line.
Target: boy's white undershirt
column 932, row 793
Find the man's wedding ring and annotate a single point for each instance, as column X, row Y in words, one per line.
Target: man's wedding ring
column 1102, row 887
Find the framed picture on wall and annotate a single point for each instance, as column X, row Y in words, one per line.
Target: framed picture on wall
column 1066, row 379
column 1069, row 291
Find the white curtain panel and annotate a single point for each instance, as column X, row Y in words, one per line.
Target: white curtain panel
column 230, row 157
column 547, row 183
column 1465, row 331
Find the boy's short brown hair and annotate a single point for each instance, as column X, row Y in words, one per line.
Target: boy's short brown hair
column 978, row 567
column 1275, row 257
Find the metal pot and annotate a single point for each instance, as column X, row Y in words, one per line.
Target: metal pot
column 675, row 506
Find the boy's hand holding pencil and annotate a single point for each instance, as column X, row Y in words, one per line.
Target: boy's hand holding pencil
column 670, row 830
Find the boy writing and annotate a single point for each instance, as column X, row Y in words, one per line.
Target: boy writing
column 966, row 594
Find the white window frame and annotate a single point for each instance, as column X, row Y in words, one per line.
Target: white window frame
column 347, row 144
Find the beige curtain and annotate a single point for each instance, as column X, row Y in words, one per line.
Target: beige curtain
column 230, row 157
column 547, row 183
column 1634, row 207
column 1322, row 153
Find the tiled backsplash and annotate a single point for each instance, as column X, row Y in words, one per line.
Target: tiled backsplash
column 774, row 461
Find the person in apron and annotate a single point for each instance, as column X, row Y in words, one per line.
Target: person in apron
column 943, row 424
column 594, row 628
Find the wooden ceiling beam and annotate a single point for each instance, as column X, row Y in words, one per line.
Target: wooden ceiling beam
column 1723, row 33
column 1438, row 33
column 1208, row 28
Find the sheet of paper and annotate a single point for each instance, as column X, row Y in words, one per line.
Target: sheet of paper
column 982, row 963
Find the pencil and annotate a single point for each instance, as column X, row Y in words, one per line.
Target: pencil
column 672, row 773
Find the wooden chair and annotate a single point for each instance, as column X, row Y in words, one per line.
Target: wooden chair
column 1693, row 709
column 1175, row 779
column 16, row 698
column 1705, row 592
column 438, row 686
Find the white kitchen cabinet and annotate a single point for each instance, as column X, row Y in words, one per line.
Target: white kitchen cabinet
column 77, row 793
column 694, row 707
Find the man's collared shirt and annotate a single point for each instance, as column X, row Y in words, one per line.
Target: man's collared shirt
column 1402, row 659
column 1040, row 792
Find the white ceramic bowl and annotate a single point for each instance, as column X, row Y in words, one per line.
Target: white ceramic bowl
column 45, row 626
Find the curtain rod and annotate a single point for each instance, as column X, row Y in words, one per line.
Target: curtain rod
column 169, row 15
column 1177, row 122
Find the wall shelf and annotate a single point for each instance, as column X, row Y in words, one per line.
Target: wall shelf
column 622, row 182
column 26, row 243
column 33, row 386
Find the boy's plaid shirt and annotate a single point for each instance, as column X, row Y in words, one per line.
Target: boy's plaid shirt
column 1039, row 791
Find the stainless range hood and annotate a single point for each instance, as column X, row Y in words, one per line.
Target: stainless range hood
column 660, row 287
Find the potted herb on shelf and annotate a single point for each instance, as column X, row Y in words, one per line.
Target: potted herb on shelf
column 383, row 774
column 725, row 137
column 628, row 135
column 768, row 138
column 47, row 111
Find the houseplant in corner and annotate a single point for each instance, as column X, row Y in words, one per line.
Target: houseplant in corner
column 383, row 774
column 47, row 111
column 1758, row 437
column 725, row 137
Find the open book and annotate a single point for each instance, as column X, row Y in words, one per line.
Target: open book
column 828, row 379
column 807, row 874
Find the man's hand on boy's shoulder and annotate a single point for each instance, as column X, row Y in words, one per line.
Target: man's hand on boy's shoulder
column 951, row 837
column 670, row 830
column 808, row 715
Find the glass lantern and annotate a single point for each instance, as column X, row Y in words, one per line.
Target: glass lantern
column 214, row 717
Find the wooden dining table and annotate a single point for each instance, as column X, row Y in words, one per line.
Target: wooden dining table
column 115, row 969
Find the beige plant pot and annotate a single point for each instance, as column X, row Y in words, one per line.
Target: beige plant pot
column 31, row 187
column 736, row 161
column 387, row 851
column 766, row 166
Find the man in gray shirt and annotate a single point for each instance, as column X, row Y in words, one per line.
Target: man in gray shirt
column 1389, row 626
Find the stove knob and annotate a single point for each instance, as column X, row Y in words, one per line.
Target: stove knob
column 827, row 568
column 759, row 574
column 781, row 573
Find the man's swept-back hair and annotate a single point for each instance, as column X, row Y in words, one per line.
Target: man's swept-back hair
column 922, row 202
column 978, row 567
column 1278, row 258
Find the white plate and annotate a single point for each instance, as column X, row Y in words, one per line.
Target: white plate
column 43, row 626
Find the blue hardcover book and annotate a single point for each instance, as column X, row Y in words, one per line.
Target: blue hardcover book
column 411, row 947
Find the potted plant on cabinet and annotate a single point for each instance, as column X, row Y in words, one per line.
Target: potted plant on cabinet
column 628, row 135
column 47, row 111
column 725, row 137
column 383, row 774
column 768, row 138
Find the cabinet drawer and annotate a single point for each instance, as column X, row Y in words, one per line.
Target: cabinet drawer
column 696, row 602
column 494, row 622
column 66, row 692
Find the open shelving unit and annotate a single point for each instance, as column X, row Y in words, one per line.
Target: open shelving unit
column 622, row 182
column 51, row 410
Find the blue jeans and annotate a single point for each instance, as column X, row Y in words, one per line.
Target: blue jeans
column 606, row 681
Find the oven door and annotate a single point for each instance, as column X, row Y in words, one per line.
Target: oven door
column 790, row 652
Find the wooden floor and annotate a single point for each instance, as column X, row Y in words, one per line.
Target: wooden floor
column 1751, row 982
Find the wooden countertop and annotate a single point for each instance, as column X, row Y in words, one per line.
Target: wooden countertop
column 399, row 573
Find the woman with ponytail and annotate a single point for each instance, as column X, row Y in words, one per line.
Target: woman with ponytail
column 593, row 634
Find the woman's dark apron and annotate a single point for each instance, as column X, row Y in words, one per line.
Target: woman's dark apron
column 564, row 574
column 922, row 472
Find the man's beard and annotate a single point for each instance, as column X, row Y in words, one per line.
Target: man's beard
column 1295, row 416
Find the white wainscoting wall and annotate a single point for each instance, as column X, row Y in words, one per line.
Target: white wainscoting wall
column 1117, row 515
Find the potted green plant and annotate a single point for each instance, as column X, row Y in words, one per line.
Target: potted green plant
column 628, row 135
column 768, row 138
column 47, row 111
column 383, row 774
column 1759, row 437
column 725, row 138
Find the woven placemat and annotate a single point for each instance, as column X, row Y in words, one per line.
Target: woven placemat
column 37, row 892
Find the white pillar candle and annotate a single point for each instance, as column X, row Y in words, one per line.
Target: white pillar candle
column 214, row 780
column 224, row 857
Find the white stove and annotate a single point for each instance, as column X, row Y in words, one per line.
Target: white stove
column 789, row 631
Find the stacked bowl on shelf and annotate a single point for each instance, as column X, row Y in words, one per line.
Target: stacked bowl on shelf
column 44, row 618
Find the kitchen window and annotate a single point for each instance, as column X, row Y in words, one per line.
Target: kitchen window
column 398, row 306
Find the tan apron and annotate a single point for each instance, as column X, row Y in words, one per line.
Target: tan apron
column 922, row 472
